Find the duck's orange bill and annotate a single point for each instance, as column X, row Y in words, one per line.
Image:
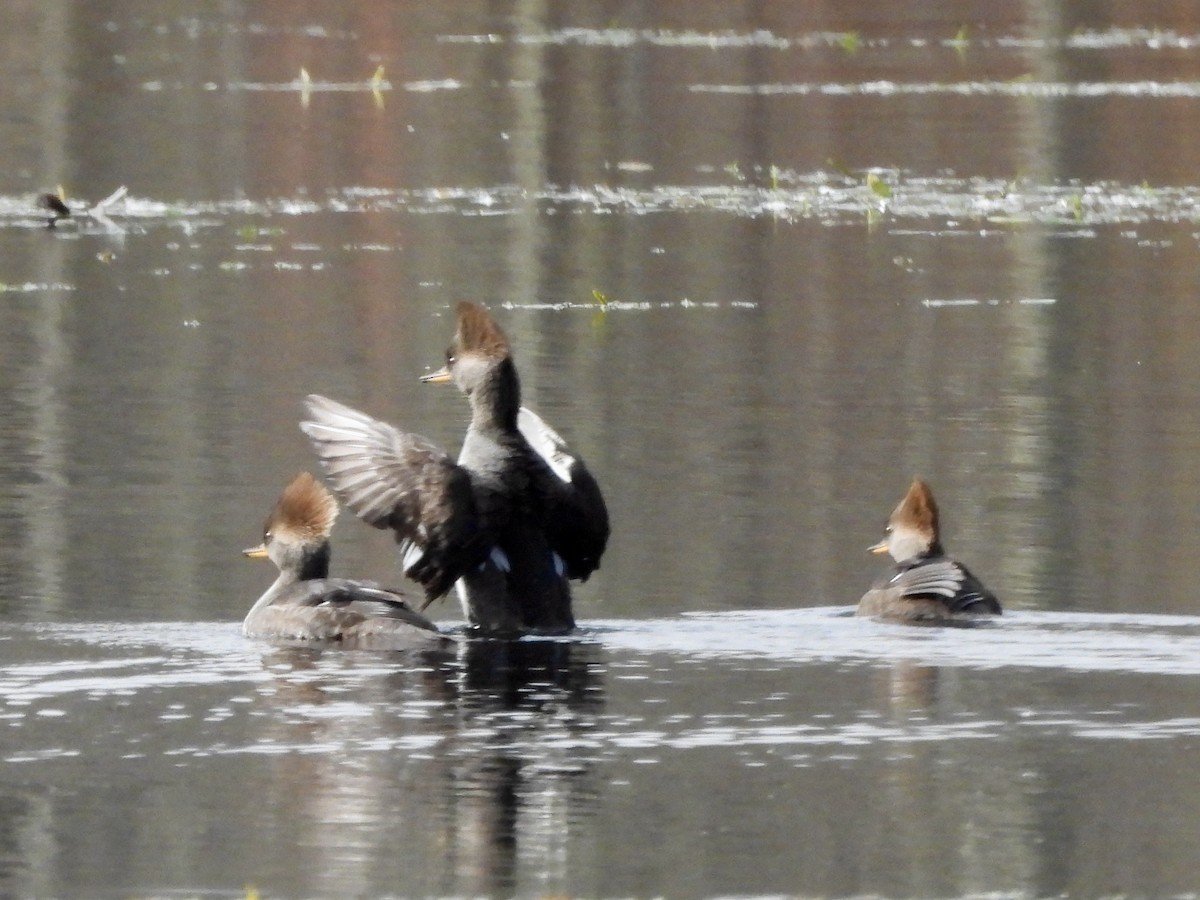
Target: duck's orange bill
column 259, row 552
column 881, row 547
column 441, row 376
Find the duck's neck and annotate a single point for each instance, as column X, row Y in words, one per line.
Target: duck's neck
column 497, row 400
column 314, row 562
column 282, row 583
column 933, row 551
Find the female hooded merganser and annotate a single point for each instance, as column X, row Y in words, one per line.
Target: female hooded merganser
column 510, row 522
column 304, row 603
column 926, row 585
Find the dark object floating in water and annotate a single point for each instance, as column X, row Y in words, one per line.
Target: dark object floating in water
column 55, row 206
column 926, row 585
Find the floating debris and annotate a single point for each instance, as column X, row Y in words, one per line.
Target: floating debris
column 944, row 205
column 55, row 205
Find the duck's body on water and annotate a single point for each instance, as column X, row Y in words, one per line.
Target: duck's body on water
column 304, row 603
column 926, row 584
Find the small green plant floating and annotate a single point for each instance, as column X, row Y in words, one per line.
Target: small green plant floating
column 254, row 232
column 377, row 85
column 960, row 42
column 600, row 297
column 878, row 186
column 849, row 42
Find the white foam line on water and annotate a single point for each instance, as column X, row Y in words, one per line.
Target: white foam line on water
column 1070, row 642
column 169, row 655
column 964, row 88
column 935, row 303
column 631, row 305
column 955, row 206
column 849, row 42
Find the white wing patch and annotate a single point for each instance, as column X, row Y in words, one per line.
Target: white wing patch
column 500, row 559
column 546, row 442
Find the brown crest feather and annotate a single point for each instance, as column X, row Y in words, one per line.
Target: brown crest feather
column 305, row 508
column 478, row 332
column 918, row 509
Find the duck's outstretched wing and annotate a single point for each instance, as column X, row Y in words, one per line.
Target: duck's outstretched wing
column 577, row 517
column 400, row 481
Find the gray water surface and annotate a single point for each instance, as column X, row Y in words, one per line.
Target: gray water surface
column 181, row 754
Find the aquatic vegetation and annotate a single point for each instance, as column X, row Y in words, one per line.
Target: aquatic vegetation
column 878, row 186
column 835, row 195
column 256, row 232
column 959, row 43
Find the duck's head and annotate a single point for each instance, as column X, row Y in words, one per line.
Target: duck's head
column 296, row 533
column 480, row 348
column 912, row 529
column 480, row 363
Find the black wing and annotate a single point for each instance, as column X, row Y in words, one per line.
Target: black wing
column 395, row 480
column 577, row 517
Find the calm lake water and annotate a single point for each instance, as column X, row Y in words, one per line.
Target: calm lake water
column 761, row 264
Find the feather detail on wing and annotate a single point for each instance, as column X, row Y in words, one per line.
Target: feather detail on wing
column 396, row 480
column 942, row 578
column 577, row 517
column 947, row 580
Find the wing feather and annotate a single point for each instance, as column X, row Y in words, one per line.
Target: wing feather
column 400, row 481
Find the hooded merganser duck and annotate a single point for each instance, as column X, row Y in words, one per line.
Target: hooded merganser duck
column 304, row 603
column 926, row 584
column 509, row 523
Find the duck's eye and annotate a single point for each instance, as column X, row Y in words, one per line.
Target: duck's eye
column 268, row 536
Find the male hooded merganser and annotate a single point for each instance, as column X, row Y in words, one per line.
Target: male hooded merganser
column 510, row 522
column 926, row 585
column 304, row 603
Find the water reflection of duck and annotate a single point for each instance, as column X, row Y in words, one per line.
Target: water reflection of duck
column 304, row 603
column 926, row 585
column 515, row 518
column 491, row 747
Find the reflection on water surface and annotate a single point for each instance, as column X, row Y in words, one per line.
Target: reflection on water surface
column 505, row 766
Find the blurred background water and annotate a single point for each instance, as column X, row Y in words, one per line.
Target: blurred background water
column 760, row 264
